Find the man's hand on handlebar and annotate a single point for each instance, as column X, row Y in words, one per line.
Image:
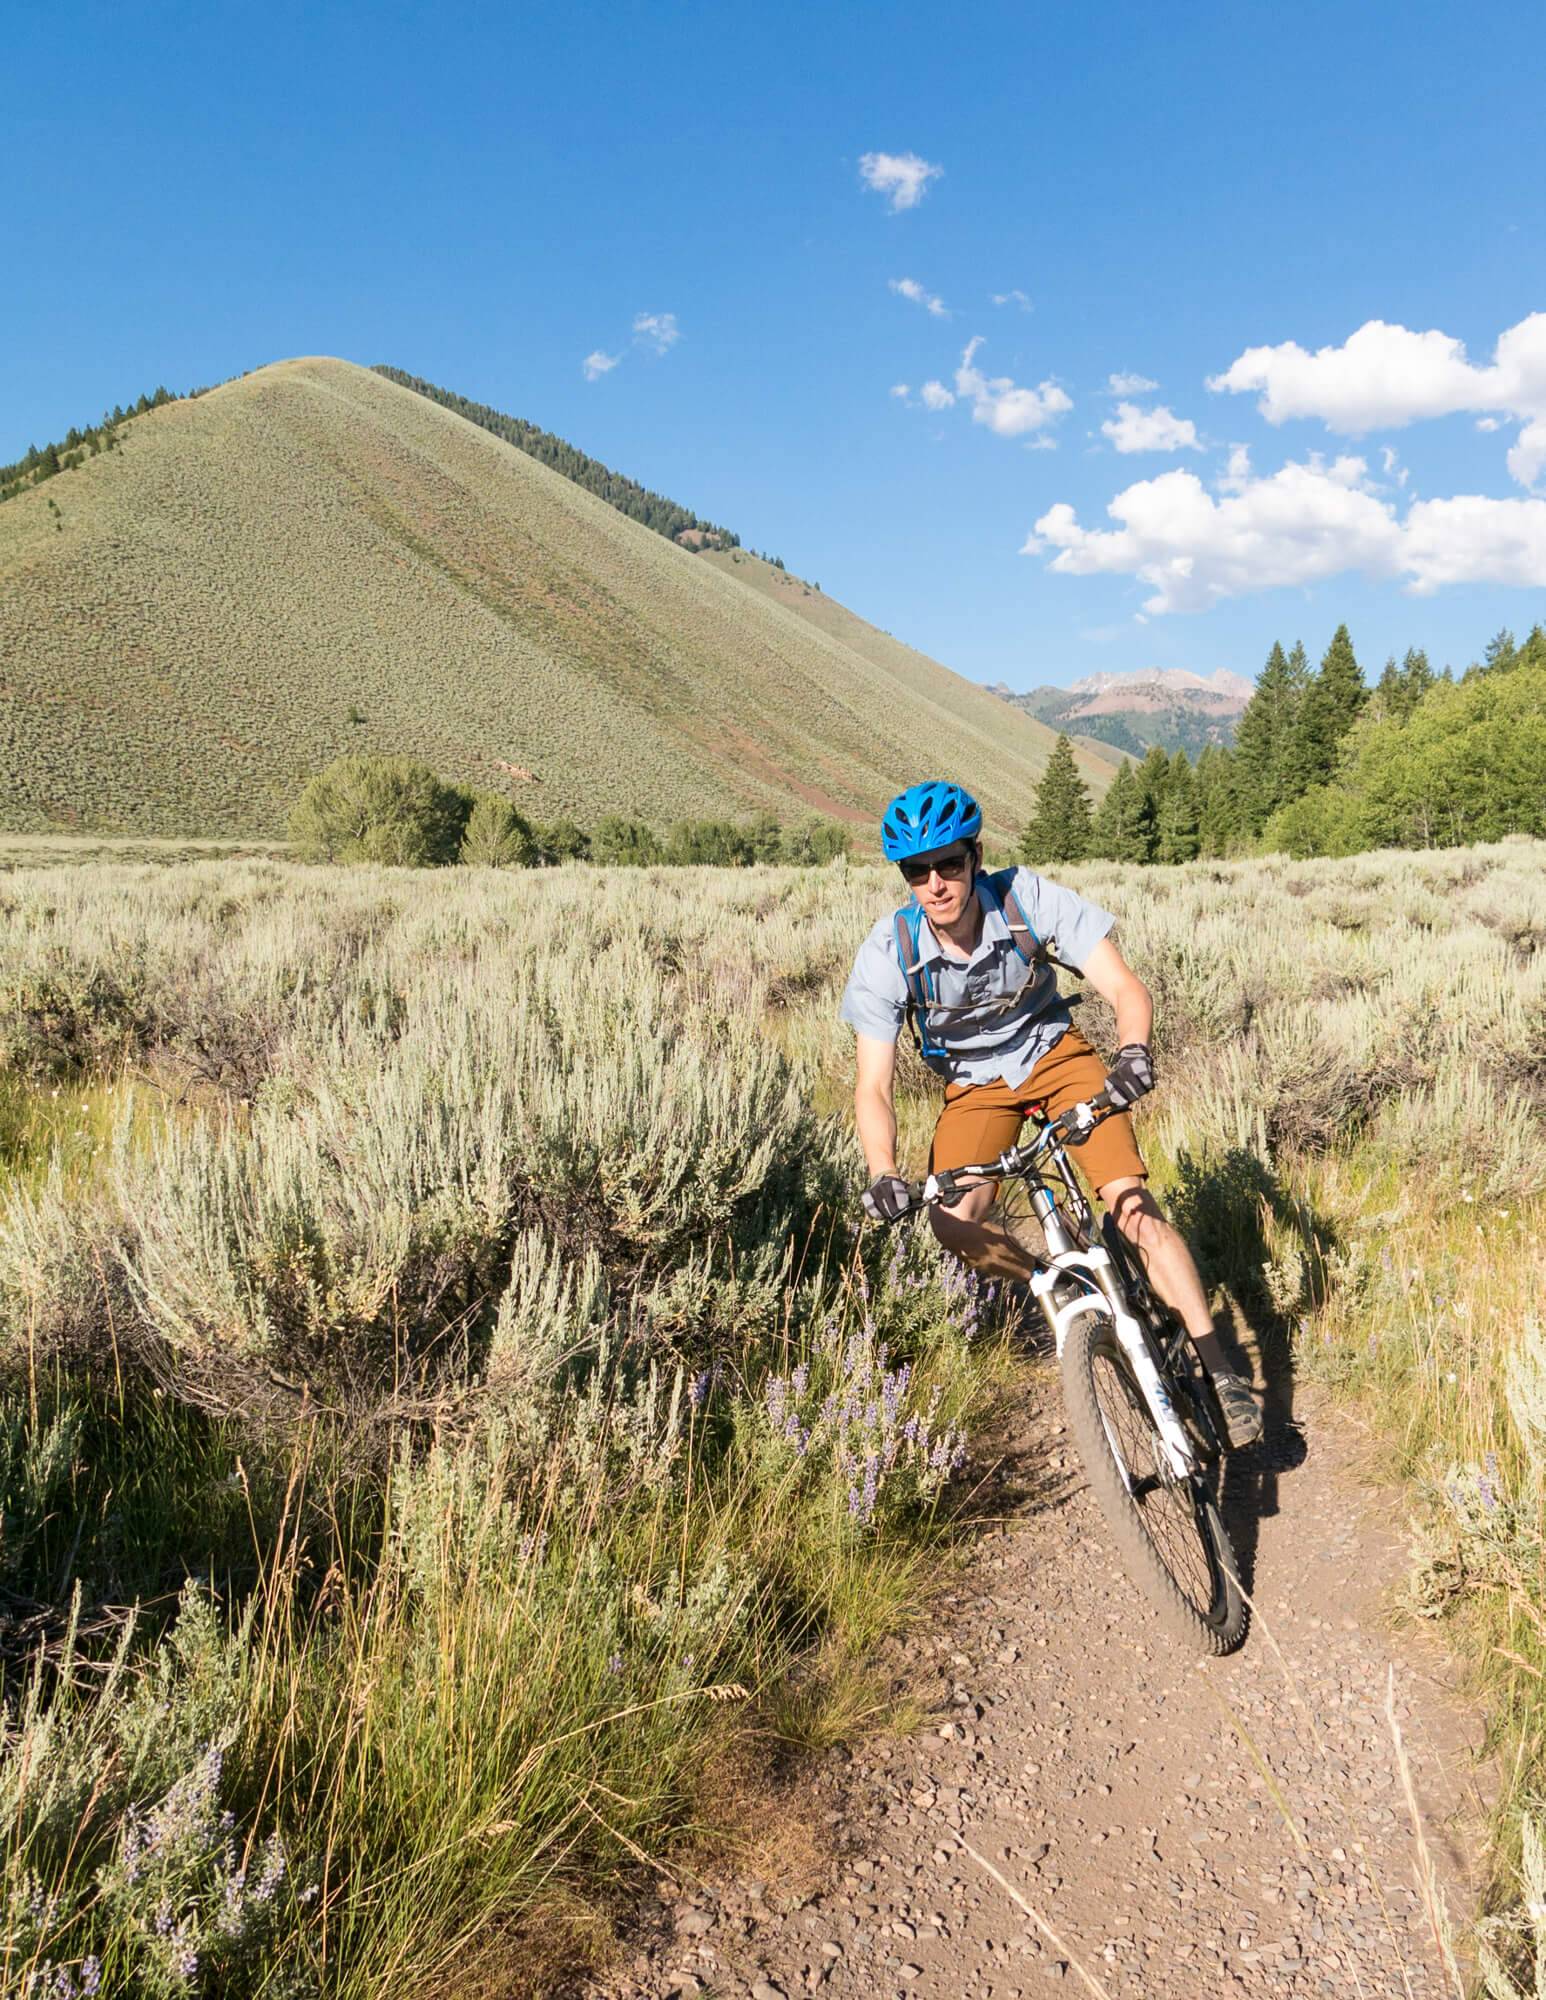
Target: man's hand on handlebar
column 1130, row 1077
column 887, row 1198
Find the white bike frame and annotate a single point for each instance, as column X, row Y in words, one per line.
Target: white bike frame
column 1106, row 1300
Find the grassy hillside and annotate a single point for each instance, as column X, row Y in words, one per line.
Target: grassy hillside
column 312, row 559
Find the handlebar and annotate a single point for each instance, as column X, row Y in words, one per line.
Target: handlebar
column 1070, row 1128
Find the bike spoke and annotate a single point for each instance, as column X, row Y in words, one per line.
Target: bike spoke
column 1167, row 1506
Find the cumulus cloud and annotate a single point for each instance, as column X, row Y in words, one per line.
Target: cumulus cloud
column 1303, row 523
column 657, row 330
column 909, row 288
column 1159, row 429
column 596, row 364
column 935, row 396
column 903, row 178
column 1007, row 409
column 1013, row 298
column 901, row 391
column 1386, row 376
column 1130, row 385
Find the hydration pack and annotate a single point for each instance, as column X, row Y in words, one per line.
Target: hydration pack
column 996, row 892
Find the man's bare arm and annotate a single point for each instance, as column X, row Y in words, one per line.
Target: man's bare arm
column 874, row 1110
column 1115, row 981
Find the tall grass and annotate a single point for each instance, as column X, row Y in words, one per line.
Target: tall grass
column 447, row 1407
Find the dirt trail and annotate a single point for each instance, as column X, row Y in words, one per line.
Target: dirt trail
column 1138, row 1801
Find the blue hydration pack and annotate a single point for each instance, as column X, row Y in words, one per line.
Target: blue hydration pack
column 996, row 892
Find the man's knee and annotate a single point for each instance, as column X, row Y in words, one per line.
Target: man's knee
column 1138, row 1215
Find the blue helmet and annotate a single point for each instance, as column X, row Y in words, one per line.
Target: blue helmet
column 926, row 817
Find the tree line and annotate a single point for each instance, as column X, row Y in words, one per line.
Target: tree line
column 38, row 463
column 1324, row 764
column 399, row 813
column 638, row 502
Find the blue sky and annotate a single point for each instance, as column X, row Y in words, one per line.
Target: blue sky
column 1182, row 195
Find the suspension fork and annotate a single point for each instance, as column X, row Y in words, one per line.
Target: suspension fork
column 1105, row 1297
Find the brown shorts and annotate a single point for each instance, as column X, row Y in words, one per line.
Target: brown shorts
column 980, row 1120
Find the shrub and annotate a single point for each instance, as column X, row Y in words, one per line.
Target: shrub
column 497, row 836
column 386, row 809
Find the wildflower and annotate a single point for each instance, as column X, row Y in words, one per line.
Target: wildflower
column 91, row 1974
column 698, row 1393
column 615, row 1664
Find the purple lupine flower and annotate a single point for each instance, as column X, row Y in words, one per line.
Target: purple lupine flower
column 800, row 1379
column 698, row 1393
column 775, row 1393
column 615, row 1664
column 1489, row 1497
column 91, row 1974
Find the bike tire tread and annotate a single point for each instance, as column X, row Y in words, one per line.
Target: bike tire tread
column 1179, row 1616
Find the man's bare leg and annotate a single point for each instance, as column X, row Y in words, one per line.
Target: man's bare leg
column 1167, row 1263
column 987, row 1246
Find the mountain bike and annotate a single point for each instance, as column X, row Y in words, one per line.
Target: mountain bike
column 1139, row 1401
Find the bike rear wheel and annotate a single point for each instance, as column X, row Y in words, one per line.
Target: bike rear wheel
column 1168, row 1531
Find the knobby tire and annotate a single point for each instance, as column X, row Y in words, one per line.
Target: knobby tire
column 1169, row 1534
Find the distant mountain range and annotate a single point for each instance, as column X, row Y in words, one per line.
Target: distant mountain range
column 1134, row 711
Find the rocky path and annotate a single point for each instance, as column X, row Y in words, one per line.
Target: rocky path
column 1088, row 1810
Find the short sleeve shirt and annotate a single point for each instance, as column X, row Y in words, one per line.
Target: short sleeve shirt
column 992, row 1021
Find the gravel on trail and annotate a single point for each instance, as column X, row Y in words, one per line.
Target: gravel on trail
column 1089, row 1809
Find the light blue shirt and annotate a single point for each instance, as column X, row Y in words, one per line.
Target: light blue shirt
column 992, row 1020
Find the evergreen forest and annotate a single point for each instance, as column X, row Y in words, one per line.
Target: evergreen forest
column 1325, row 764
column 638, row 502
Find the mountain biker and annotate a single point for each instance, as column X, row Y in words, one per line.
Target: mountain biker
column 996, row 1029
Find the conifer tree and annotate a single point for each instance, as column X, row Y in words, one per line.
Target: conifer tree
column 1175, row 823
column 1330, row 706
column 1261, row 741
column 1219, row 829
column 1059, row 826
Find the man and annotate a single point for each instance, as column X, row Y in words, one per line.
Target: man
column 1002, row 1037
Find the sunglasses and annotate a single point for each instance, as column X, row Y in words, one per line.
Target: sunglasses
column 951, row 867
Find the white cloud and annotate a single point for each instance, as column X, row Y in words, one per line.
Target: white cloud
column 1303, row 523
column 1159, row 429
column 909, row 288
column 1489, row 423
column 901, row 391
column 1007, row 410
column 1385, row 376
column 596, row 364
column 1237, row 474
column 1527, row 454
column 1130, row 385
column 1390, row 461
column 1014, row 298
column 1470, row 539
column 657, row 330
column 902, row 177
column 936, row 396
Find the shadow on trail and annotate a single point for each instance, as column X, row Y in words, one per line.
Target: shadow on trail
column 1226, row 1207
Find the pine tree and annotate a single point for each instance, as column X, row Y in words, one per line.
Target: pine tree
column 1059, row 828
column 1175, row 823
column 1261, row 738
column 1219, row 828
column 1124, row 825
column 1331, row 705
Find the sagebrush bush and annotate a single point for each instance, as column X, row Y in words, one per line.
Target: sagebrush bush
column 456, row 1274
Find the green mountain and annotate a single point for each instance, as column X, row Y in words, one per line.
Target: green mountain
column 313, row 559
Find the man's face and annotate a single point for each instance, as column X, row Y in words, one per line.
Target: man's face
column 942, row 882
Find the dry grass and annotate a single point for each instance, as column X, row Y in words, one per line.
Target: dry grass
column 312, row 541
column 535, row 1187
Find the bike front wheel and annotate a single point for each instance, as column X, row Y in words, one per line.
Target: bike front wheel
column 1168, row 1530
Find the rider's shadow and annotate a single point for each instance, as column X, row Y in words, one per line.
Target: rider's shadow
column 1225, row 1206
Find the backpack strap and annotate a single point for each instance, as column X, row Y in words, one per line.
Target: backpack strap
column 922, row 983
column 999, row 889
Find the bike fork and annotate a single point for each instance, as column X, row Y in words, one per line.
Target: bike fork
column 1106, row 1301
